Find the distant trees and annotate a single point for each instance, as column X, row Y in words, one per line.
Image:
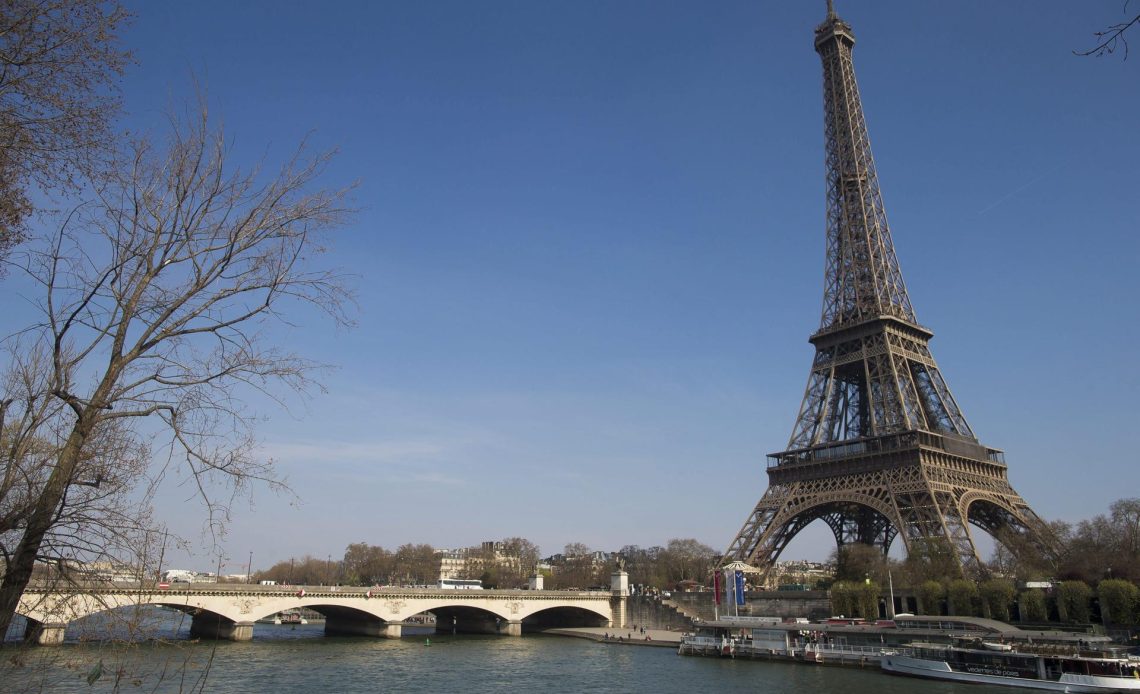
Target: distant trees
column 856, row 562
column 1106, row 546
column 579, row 568
column 415, row 565
column 366, row 565
column 304, row 571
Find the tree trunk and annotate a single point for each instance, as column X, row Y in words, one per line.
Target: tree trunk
column 19, row 571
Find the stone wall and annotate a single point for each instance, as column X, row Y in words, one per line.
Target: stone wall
column 653, row 613
column 813, row 604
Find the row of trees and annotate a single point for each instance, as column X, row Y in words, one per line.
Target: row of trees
column 1069, row 601
column 1090, row 551
column 506, row 564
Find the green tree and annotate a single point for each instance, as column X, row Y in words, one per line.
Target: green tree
column 867, row 598
column 1118, row 601
column 1073, row 601
column 997, row 594
column 963, row 596
column 1032, row 604
column 930, row 594
column 844, row 598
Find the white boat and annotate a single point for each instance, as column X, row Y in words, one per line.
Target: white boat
column 1060, row 673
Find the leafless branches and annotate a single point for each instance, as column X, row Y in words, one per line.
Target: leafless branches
column 59, row 65
column 154, row 299
column 1111, row 38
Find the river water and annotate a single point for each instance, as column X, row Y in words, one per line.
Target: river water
column 301, row 659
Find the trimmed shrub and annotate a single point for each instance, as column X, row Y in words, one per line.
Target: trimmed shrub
column 1118, row 601
column 996, row 596
column 1032, row 604
column 930, row 595
column 1073, row 601
column 963, row 597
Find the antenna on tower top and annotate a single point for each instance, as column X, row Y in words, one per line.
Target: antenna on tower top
column 830, row 9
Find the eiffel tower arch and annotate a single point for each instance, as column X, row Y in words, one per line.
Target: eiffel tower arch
column 880, row 448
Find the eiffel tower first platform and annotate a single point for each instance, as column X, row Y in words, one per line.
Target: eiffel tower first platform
column 880, row 448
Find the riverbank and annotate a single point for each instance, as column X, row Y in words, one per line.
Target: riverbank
column 656, row 637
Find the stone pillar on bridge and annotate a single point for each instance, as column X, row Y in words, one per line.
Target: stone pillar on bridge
column 619, row 587
column 514, row 628
column 44, row 634
column 393, row 630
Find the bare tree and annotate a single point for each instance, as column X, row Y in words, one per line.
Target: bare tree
column 154, row 298
column 59, row 64
column 1112, row 38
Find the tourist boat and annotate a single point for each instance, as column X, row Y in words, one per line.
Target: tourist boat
column 1060, row 673
column 291, row 618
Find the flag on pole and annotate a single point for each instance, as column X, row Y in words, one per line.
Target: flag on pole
column 739, row 587
column 716, row 587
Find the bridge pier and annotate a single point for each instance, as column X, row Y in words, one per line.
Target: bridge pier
column 212, row 626
column 344, row 625
column 44, row 634
column 514, row 628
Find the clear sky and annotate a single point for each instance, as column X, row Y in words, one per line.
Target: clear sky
column 590, row 250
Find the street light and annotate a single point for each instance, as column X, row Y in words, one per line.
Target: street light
column 249, row 568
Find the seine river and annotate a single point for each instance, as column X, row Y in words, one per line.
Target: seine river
column 300, row 659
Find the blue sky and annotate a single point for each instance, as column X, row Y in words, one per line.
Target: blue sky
column 590, row 250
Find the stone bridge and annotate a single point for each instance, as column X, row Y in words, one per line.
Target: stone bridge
column 230, row 611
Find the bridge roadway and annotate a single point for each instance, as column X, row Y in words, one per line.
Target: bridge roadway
column 227, row 611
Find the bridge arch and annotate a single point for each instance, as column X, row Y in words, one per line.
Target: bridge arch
column 230, row 612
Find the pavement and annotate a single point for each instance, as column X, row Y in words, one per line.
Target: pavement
column 629, row 636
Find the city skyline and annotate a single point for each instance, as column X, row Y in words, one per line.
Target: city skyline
column 590, row 252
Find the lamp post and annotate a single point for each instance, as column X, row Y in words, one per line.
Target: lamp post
column 249, row 568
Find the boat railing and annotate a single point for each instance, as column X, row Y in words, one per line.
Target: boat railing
column 701, row 641
column 837, row 648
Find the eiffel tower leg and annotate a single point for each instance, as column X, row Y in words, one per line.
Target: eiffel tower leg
column 854, row 514
column 763, row 537
column 927, row 515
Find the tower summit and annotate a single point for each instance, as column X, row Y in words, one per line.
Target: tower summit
column 880, row 447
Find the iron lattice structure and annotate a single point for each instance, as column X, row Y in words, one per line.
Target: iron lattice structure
column 880, row 447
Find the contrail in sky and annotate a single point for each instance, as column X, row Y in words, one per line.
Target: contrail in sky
column 1015, row 191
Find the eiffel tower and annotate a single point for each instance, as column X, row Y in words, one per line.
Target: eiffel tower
column 880, row 447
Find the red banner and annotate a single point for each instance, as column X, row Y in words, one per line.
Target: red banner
column 716, row 585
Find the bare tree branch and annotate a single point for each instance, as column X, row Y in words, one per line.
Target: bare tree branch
column 154, row 299
column 1111, row 38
